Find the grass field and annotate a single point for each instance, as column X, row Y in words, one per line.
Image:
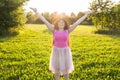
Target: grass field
column 26, row 56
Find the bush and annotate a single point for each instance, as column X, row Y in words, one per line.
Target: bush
column 11, row 14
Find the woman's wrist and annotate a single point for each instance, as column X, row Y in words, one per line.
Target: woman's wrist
column 35, row 11
column 86, row 14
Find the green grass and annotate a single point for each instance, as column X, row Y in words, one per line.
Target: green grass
column 26, row 56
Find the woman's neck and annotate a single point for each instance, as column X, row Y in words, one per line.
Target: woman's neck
column 61, row 29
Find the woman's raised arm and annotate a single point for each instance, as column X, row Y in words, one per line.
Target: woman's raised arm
column 49, row 25
column 72, row 27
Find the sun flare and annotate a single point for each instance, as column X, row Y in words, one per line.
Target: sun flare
column 60, row 6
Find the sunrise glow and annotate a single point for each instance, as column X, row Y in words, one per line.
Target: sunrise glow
column 66, row 6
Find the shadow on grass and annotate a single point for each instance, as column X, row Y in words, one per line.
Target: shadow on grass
column 108, row 32
column 7, row 36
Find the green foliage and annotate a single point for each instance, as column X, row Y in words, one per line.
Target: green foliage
column 31, row 18
column 11, row 14
column 34, row 19
column 26, row 56
column 87, row 21
column 106, row 15
column 72, row 18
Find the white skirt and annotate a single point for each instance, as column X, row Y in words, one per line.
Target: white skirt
column 61, row 60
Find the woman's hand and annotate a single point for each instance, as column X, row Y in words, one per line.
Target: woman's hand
column 49, row 25
column 89, row 12
column 34, row 9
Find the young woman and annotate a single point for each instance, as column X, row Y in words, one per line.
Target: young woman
column 61, row 56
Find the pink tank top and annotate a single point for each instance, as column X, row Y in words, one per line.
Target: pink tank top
column 60, row 38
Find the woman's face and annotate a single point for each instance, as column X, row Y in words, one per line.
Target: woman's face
column 61, row 24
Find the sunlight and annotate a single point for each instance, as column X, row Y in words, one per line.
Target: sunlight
column 66, row 6
column 60, row 6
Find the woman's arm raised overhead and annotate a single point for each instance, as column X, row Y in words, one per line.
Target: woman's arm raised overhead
column 49, row 25
column 74, row 25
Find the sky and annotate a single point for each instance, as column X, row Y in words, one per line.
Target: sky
column 61, row 6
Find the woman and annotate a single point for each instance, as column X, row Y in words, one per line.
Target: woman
column 61, row 57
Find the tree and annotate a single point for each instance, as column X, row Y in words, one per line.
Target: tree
column 101, row 8
column 47, row 16
column 72, row 18
column 116, row 17
column 87, row 21
column 30, row 17
column 107, row 15
column 11, row 14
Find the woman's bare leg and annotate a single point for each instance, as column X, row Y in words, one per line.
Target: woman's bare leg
column 66, row 76
column 57, row 76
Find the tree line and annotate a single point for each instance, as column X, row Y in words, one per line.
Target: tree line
column 34, row 19
column 106, row 16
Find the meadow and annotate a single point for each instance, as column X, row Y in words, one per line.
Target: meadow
column 26, row 55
